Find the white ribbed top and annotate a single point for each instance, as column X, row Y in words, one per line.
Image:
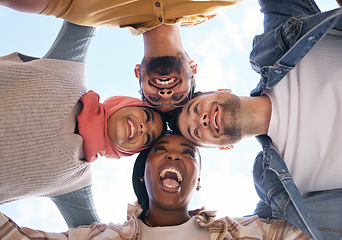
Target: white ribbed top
column 40, row 155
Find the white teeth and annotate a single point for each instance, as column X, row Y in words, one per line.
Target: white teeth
column 215, row 121
column 179, row 176
column 132, row 128
column 170, row 186
column 165, row 81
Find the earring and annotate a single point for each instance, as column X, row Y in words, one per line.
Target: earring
column 226, row 147
column 142, row 179
column 198, row 184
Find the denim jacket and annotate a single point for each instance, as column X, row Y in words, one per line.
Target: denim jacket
column 292, row 28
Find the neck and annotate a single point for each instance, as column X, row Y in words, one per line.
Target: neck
column 256, row 114
column 159, row 217
column 164, row 40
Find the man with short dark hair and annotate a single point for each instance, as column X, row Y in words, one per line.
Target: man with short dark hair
column 166, row 73
column 295, row 112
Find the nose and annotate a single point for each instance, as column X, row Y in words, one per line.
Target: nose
column 143, row 128
column 173, row 156
column 165, row 92
column 204, row 120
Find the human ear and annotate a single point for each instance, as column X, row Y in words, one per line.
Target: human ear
column 226, row 147
column 137, row 70
column 193, row 66
column 225, row 90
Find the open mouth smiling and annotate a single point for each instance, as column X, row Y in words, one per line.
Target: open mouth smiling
column 171, row 177
column 163, row 82
column 131, row 129
column 214, row 120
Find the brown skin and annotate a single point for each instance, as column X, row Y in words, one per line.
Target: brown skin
column 220, row 119
column 162, row 41
column 169, row 206
column 147, row 126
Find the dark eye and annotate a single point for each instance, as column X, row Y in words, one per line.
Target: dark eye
column 196, row 108
column 177, row 97
column 154, row 99
column 159, row 148
column 196, row 133
column 190, row 152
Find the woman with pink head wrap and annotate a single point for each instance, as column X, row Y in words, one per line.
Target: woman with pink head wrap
column 121, row 126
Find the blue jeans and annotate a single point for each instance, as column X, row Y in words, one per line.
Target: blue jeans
column 326, row 208
column 292, row 28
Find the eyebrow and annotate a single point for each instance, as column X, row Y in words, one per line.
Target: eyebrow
column 190, row 133
column 153, row 132
column 188, row 145
column 162, row 142
column 182, row 144
column 150, row 113
column 188, row 110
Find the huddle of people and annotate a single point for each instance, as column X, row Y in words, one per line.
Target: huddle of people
column 47, row 115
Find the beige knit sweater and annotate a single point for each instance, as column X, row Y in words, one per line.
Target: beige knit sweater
column 40, row 155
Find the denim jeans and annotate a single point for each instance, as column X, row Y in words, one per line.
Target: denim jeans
column 292, row 28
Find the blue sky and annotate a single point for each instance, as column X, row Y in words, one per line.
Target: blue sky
column 221, row 48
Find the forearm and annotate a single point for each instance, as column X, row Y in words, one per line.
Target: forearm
column 72, row 42
column 10, row 230
column 77, row 207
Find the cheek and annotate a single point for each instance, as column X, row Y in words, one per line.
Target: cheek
column 186, row 86
column 195, row 174
column 182, row 124
column 146, row 88
column 150, row 171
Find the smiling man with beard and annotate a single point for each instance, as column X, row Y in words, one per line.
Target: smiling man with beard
column 166, row 74
column 295, row 113
column 217, row 119
column 158, row 21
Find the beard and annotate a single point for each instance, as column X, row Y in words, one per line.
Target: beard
column 232, row 113
column 161, row 65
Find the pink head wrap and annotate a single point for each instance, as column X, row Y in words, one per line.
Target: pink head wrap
column 92, row 125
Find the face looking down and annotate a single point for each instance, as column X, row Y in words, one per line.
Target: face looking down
column 166, row 82
column 212, row 120
column 171, row 172
column 132, row 128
